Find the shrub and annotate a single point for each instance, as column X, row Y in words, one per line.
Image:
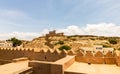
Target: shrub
column 60, row 42
column 65, row 47
column 106, row 46
column 112, row 40
column 92, row 38
column 118, row 48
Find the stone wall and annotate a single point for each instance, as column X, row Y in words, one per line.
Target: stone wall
column 50, row 55
column 12, row 53
column 96, row 58
column 57, row 67
column 25, row 71
column 117, row 58
column 53, row 33
column 66, row 72
column 40, row 67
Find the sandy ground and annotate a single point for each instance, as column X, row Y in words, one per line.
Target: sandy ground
column 11, row 68
column 94, row 68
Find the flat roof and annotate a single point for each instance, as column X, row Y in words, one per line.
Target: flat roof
column 79, row 67
column 14, row 67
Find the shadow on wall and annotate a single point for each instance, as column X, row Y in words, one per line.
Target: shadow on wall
column 96, row 58
column 12, row 53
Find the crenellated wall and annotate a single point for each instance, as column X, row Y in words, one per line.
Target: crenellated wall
column 54, row 55
column 96, row 57
column 60, row 66
column 55, row 61
column 117, row 57
column 12, row 53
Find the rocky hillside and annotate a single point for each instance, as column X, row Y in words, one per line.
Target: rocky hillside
column 35, row 43
column 74, row 42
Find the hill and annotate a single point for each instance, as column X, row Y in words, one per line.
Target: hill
column 55, row 40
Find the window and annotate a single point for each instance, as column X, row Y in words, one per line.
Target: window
column 99, row 48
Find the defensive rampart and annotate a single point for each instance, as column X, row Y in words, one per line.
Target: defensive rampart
column 96, row 58
column 54, row 55
column 31, row 54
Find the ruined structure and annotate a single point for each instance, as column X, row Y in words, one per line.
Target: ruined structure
column 52, row 34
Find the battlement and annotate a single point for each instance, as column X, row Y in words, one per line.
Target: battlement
column 18, row 49
column 54, row 61
column 32, row 54
column 97, row 57
column 54, row 55
column 53, row 33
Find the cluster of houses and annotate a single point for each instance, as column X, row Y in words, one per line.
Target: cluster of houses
column 97, row 48
column 5, row 44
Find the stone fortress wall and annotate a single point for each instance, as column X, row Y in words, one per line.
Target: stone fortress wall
column 31, row 54
column 60, row 66
column 54, row 55
column 96, row 58
column 56, row 62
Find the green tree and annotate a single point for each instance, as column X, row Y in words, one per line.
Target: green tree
column 15, row 41
column 64, row 47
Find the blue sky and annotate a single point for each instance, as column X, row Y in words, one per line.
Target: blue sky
column 35, row 17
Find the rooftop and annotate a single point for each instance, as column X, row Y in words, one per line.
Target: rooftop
column 13, row 68
column 93, row 68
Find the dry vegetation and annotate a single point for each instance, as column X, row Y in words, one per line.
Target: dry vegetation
column 74, row 41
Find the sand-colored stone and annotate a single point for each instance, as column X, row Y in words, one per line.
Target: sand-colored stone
column 40, row 67
column 99, row 54
column 93, row 68
column 89, row 54
column 13, row 68
column 57, row 67
column 71, row 52
column 109, row 54
column 80, row 53
column 66, row 61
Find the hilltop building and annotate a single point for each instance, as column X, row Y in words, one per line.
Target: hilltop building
column 49, row 38
column 53, row 33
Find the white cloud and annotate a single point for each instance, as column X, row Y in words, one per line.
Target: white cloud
column 23, row 35
column 71, row 30
column 19, row 35
column 101, row 29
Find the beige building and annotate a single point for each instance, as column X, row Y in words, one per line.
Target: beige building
column 6, row 44
column 53, row 33
column 97, row 48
